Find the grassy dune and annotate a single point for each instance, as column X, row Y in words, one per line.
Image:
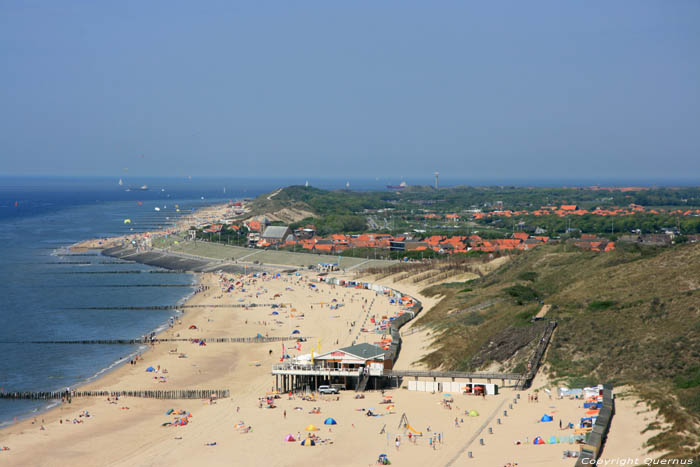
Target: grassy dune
column 631, row 316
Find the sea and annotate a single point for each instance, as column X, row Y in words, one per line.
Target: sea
column 45, row 288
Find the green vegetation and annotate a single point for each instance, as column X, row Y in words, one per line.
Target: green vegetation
column 522, row 293
column 600, row 305
column 228, row 235
column 401, row 211
column 528, row 276
column 628, row 317
column 334, row 224
column 691, row 379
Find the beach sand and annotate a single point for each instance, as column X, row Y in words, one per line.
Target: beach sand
column 115, row 435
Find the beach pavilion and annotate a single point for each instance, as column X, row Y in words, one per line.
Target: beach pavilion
column 350, row 366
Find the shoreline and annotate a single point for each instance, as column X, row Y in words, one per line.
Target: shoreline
column 143, row 348
column 99, row 245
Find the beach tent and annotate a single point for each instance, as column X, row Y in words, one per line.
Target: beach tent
column 202, row 343
column 538, row 440
column 150, row 369
column 296, row 331
column 553, row 440
column 192, row 326
column 330, row 421
column 546, row 418
column 275, row 313
column 258, row 336
column 473, row 413
column 308, row 442
column 289, row 438
column 311, row 428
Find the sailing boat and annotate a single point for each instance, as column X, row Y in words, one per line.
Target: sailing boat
column 121, row 182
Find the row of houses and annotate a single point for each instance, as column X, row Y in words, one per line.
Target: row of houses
column 573, row 209
column 306, row 239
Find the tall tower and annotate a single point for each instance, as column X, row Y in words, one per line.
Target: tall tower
column 437, row 186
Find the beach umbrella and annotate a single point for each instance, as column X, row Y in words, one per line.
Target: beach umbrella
column 546, row 418
column 447, row 394
column 308, row 442
column 538, row 440
column 296, row 331
column 150, row 369
column 330, row 421
column 389, row 407
column 275, row 313
column 473, row 413
column 311, row 428
column 289, row 438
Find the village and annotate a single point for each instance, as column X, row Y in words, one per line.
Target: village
column 261, row 232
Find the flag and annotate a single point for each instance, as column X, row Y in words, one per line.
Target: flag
column 319, row 344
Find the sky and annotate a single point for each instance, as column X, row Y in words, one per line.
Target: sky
column 475, row 90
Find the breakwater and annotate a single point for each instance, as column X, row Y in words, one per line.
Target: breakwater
column 144, row 393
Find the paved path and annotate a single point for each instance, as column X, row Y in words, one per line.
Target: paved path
column 476, row 434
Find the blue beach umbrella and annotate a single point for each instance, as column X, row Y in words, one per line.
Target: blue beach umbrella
column 330, row 421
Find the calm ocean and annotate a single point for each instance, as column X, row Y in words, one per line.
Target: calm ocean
column 40, row 281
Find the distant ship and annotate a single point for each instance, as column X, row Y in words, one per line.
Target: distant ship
column 397, row 187
column 120, row 182
column 143, row 187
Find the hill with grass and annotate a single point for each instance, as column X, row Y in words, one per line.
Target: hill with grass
column 628, row 317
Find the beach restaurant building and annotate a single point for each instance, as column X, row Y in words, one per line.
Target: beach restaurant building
column 354, row 357
column 347, row 366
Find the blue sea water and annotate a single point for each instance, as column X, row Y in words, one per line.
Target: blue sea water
column 41, row 284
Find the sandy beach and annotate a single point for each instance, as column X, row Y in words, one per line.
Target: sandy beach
column 237, row 431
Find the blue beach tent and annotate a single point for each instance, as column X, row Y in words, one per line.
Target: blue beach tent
column 150, row 369
column 546, row 418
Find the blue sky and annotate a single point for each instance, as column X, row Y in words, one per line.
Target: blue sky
column 546, row 90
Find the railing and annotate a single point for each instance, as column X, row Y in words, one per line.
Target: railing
column 308, row 369
column 451, row 374
column 534, row 363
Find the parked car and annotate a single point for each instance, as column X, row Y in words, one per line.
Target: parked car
column 327, row 390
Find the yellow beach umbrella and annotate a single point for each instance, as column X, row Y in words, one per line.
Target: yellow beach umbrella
column 311, row 428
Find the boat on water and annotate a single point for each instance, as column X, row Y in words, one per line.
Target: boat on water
column 121, row 182
column 143, row 187
column 400, row 186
